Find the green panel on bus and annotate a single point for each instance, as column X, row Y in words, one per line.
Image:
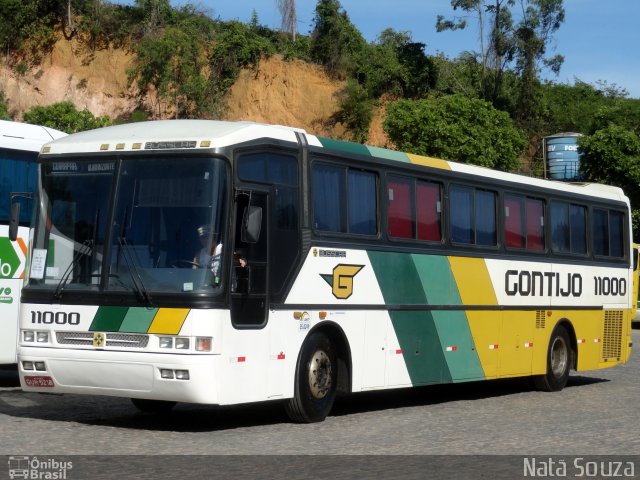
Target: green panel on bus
column 388, row 154
column 343, row 146
column 416, row 331
column 108, row 319
column 138, row 319
column 453, row 329
column 459, row 349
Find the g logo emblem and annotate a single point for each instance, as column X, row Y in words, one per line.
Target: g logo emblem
column 98, row 339
column 342, row 280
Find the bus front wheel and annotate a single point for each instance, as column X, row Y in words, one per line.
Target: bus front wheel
column 315, row 382
column 559, row 361
column 152, row 406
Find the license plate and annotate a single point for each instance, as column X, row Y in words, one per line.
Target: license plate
column 38, row 381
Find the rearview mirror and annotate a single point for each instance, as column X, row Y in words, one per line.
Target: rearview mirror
column 251, row 224
column 14, row 221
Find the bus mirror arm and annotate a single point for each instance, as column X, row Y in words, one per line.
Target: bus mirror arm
column 14, row 221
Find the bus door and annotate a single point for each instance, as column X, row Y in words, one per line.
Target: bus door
column 250, row 266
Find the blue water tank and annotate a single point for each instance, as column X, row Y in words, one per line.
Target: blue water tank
column 563, row 160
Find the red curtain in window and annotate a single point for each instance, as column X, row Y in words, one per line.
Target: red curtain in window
column 535, row 224
column 514, row 236
column 428, row 199
column 400, row 217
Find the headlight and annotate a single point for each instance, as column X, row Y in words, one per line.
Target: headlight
column 42, row 337
column 28, row 336
column 182, row 343
column 166, row 342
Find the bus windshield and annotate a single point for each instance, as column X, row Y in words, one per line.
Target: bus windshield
column 17, row 174
column 154, row 228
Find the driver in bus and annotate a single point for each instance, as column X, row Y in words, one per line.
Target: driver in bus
column 209, row 256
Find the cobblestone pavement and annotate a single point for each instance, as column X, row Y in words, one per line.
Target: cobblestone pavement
column 597, row 414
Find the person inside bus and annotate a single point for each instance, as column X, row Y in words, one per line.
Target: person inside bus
column 209, row 255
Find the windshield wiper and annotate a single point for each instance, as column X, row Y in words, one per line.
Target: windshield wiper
column 86, row 248
column 129, row 259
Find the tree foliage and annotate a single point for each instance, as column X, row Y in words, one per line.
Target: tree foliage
column 4, row 108
column 334, row 40
column 513, row 34
column 65, row 117
column 456, row 128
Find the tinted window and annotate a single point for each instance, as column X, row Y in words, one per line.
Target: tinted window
column 578, row 230
column 600, row 232
column 329, row 198
column 560, row 240
column 362, row 202
column 344, row 200
column 485, row 217
column 473, row 216
column 265, row 167
column 616, row 234
column 568, row 228
column 461, row 208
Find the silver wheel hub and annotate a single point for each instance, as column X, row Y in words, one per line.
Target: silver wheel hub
column 320, row 374
column 559, row 357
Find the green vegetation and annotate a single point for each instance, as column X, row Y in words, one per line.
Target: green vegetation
column 65, row 117
column 487, row 107
column 457, row 128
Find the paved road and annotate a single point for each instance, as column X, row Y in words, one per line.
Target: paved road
column 597, row 414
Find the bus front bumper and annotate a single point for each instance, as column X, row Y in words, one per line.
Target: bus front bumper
column 180, row 378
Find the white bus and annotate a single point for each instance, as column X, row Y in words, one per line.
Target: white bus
column 19, row 148
column 225, row 263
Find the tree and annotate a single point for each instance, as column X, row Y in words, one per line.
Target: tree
column 287, row 10
column 456, row 128
column 172, row 64
column 64, row 116
column 334, row 39
column 517, row 40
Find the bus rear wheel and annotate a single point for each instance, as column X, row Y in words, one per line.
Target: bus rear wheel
column 315, row 382
column 153, row 406
column 559, row 361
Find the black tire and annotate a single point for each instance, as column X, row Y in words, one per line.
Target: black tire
column 153, row 406
column 559, row 362
column 315, row 381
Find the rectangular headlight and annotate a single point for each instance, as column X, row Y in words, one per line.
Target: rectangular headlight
column 26, row 365
column 182, row 374
column 42, row 337
column 40, row 366
column 166, row 373
column 166, row 342
column 182, row 343
column 28, row 336
column 203, row 344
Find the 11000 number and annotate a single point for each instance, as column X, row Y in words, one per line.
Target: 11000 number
column 610, row 286
column 59, row 318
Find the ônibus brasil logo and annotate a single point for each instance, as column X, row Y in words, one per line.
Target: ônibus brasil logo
column 9, row 260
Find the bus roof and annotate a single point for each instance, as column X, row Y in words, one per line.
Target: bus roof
column 207, row 134
column 24, row 136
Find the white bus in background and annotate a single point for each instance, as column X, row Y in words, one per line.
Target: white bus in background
column 20, row 145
